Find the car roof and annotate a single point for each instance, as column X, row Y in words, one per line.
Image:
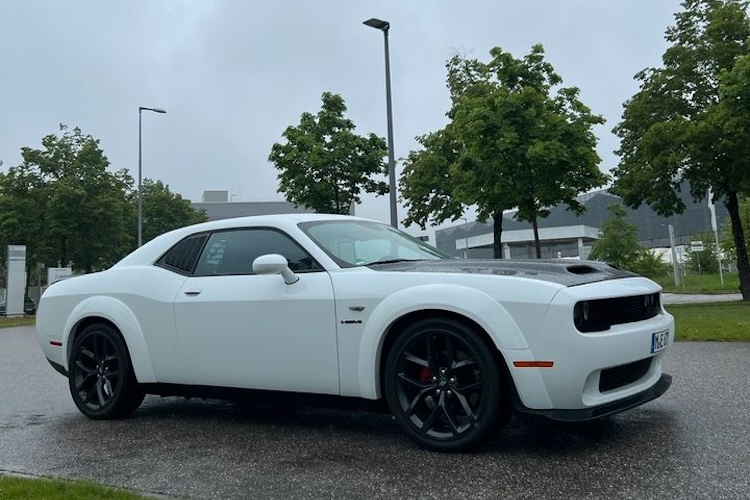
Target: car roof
column 155, row 248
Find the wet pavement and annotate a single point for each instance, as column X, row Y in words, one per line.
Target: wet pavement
column 694, row 442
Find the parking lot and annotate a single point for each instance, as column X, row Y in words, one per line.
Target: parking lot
column 694, row 442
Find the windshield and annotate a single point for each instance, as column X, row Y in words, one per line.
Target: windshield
column 363, row 243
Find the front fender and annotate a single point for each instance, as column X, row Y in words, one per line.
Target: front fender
column 469, row 302
column 122, row 317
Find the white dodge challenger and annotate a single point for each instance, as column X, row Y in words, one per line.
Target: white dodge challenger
column 352, row 311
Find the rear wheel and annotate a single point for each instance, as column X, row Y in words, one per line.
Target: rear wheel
column 443, row 386
column 100, row 375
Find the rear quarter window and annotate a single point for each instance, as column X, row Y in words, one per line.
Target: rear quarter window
column 182, row 257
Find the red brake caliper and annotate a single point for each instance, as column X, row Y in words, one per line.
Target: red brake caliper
column 424, row 374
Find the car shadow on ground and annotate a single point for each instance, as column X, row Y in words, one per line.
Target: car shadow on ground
column 519, row 436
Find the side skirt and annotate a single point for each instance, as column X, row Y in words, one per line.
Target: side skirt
column 266, row 397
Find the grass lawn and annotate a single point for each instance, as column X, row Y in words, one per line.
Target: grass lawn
column 717, row 321
column 20, row 321
column 12, row 488
column 707, row 283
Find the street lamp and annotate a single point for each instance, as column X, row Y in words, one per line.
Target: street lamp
column 141, row 109
column 384, row 26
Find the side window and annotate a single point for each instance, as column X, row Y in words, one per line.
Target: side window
column 233, row 252
column 182, row 257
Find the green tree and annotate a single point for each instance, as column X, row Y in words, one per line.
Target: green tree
column 689, row 119
column 164, row 210
column 65, row 205
column 23, row 201
column 618, row 240
column 425, row 183
column 728, row 248
column 650, row 264
column 705, row 261
column 324, row 165
column 516, row 139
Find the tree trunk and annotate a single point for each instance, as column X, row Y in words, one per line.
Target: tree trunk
column 497, row 232
column 743, row 266
column 336, row 202
column 537, row 244
column 63, row 255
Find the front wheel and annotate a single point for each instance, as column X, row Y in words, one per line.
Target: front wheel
column 443, row 386
column 100, row 375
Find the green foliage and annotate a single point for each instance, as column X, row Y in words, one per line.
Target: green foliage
column 164, row 210
column 323, row 165
column 728, row 247
column 705, row 261
column 650, row 264
column 426, row 184
column 618, row 240
column 64, row 204
column 516, row 139
column 689, row 120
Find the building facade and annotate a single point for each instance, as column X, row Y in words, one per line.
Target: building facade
column 564, row 234
column 218, row 205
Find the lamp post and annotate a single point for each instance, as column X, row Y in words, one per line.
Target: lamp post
column 675, row 267
column 466, row 236
column 141, row 109
column 385, row 26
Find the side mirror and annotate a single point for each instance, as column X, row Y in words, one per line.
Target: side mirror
column 274, row 263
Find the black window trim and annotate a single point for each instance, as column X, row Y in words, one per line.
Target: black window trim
column 250, row 228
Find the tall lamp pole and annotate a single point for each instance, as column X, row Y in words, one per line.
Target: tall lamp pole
column 384, row 26
column 141, row 109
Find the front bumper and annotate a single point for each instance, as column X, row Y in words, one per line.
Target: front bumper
column 57, row 366
column 603, row 410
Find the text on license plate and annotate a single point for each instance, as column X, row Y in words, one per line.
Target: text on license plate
column 659, row 341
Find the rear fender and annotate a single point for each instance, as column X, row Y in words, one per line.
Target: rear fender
column 117, row 313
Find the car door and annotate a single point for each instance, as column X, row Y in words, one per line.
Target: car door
column 239, row 329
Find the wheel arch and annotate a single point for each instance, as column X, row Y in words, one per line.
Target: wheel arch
column 111, row 311
column 409, row 319
column 471, row 307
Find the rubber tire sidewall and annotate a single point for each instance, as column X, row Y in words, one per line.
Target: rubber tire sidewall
column 491, row 377
column 128, row 394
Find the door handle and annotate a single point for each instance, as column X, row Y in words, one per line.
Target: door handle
column 193, row 291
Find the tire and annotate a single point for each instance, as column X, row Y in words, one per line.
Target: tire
column 100, row 374
column 443, row 386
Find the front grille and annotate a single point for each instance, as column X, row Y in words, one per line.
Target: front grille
column 618, row 376
column 601, row 314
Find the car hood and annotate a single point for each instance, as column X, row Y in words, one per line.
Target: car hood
column 562, row 272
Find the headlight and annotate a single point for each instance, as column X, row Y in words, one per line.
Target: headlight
column 581, row 315
column 600, row 314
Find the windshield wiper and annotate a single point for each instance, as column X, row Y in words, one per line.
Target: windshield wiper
column 392, row 261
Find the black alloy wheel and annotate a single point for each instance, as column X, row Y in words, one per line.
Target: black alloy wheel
column 443, row 386
column 101, row 378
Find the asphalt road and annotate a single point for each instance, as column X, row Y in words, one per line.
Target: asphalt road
column 694, row 442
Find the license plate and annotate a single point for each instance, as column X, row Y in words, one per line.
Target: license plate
column 659, row 341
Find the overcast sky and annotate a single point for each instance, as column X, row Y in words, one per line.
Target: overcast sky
column 234, row 74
